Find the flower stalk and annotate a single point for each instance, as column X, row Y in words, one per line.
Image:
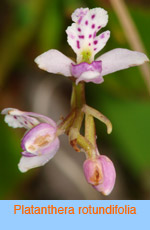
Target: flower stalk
column 90, row 132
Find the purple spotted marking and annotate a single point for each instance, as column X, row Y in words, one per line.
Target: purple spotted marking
column 81, row 36
column 89, row 44
column 95, row 42
column 86, row 23
column 93, row 16
column 81, row 15
column 78, row 44
column 25, row 122
column 95, row 48
column 90, row 35
column 79, row 29
column 94, row 35
column 80, row 19
column 98, row 27
column 93, row 26
column 102, row 36
column 15, row 117
column 72, row 36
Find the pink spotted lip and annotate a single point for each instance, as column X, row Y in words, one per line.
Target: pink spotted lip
column 83, row 33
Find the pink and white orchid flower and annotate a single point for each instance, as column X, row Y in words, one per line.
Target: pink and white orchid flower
column 84, row 39
column 39, row 143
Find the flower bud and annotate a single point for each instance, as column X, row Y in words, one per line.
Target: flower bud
column 100, row 173
column 93, row 171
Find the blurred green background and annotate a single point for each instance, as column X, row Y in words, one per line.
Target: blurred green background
column 30, row 27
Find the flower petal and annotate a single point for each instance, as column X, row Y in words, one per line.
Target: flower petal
column 54, row 61
column 90, row 76
column 82, row 34
column 100, row 41
column 41, row 118
column 97, row 15
column 18, row 119
column 39, row 139
column 27, row 154
column 87, row 72
column 109, row 176
column 118, row 59
column 78, row 14
column 27, row 163
column 92, row 169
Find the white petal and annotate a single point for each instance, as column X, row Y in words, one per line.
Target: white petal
column 119, row 59
column 41, row 118
column 100, row 41
column 12, row 122
column 101, row 18
column 27, row 163
column 72, row 38
column 18, row 119
column 54, row 61
column 97, row 15
column 12, row 111
column 80, row 12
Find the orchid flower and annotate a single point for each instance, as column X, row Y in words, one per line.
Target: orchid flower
column 84, row 38
column 39, row 143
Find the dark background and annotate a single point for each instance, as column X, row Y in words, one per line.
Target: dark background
column 30, row 27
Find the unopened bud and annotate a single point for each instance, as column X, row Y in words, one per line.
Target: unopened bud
column 100, row 173
column 93, row 171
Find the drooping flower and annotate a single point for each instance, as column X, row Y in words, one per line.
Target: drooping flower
column 39, row 143
column 86, row 42
column 100, row 173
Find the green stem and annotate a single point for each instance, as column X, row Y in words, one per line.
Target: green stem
column 66, row 123
column 85, row 145
column 78, row 95
column 73, row 97
column 90, row 133
column 88, row 142
column 77, row 102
